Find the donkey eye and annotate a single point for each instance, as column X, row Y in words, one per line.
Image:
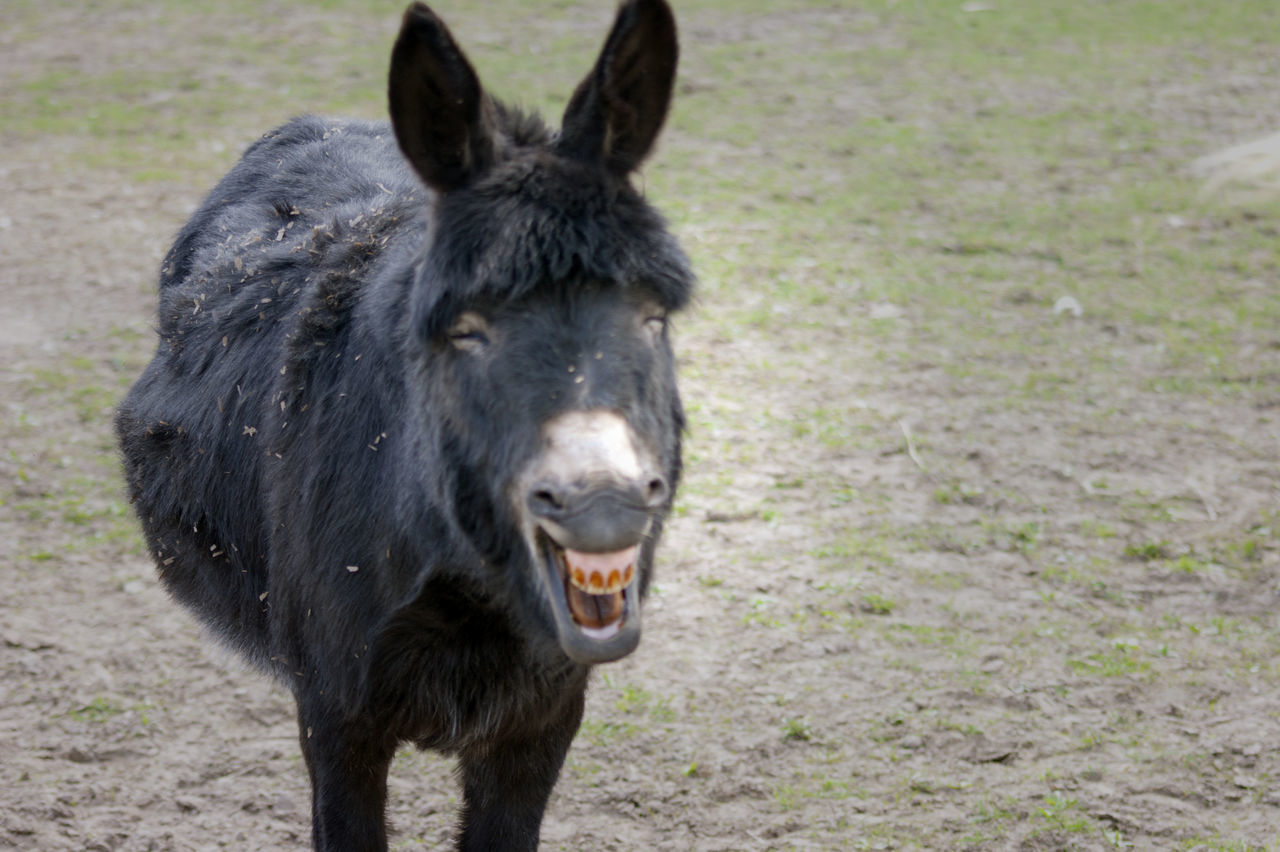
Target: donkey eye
column 469, row 333
column 655, row 322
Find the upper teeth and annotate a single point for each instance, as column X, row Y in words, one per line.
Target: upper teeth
column 596, row 583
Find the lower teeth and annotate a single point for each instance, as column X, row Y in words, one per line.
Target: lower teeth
column 606, row 632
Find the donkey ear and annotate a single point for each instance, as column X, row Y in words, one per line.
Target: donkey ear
column 616, row 112
column 442, row 118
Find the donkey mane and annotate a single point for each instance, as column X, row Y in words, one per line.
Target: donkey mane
column 536, row 217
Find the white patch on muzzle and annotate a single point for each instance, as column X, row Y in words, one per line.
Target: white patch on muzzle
column 583, row 445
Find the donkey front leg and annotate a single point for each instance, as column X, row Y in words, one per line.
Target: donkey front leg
column 348, row 764
column 505, row 785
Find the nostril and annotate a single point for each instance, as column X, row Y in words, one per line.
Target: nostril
column 545, row 501
column 657, row 491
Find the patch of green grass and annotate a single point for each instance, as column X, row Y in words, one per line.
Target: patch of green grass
column 854, row 548
column 1062, row 813
column 948, row 581
column 957, row 492
column 1120, row 659
column 957, row 641
column 876, row 604
column 1085, row 574
column 1013, row 536
column 1148, row 551
column 967, row 728
column 787, row 797
column 174, row 111
column 605, row 734
column 770, row 612
column 942, row 538
column 987, row 233
column 1189, row 563
column 75, row 495
column 637, row 701
column 97, row 711
column 831, row 427
column 75, row 384
column 797, row 729
column 87, row 510
column 816, row 785
column 991, row 820
column 1097, row 529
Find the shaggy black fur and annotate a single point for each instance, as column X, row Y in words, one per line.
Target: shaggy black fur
column 323, row 462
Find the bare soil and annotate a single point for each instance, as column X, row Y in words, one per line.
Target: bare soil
column 968, row 629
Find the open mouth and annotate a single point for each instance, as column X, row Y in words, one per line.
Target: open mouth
column 594, row 586
column 595, row 600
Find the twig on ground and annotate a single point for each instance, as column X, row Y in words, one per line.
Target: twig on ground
column 911, row 447
column 1204, row 499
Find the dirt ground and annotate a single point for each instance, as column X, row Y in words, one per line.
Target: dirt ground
column 901, row 605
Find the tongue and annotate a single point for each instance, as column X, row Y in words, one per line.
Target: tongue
column 594, row 611
column 594, row 585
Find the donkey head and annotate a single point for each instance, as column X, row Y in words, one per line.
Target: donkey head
column 541, row 304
